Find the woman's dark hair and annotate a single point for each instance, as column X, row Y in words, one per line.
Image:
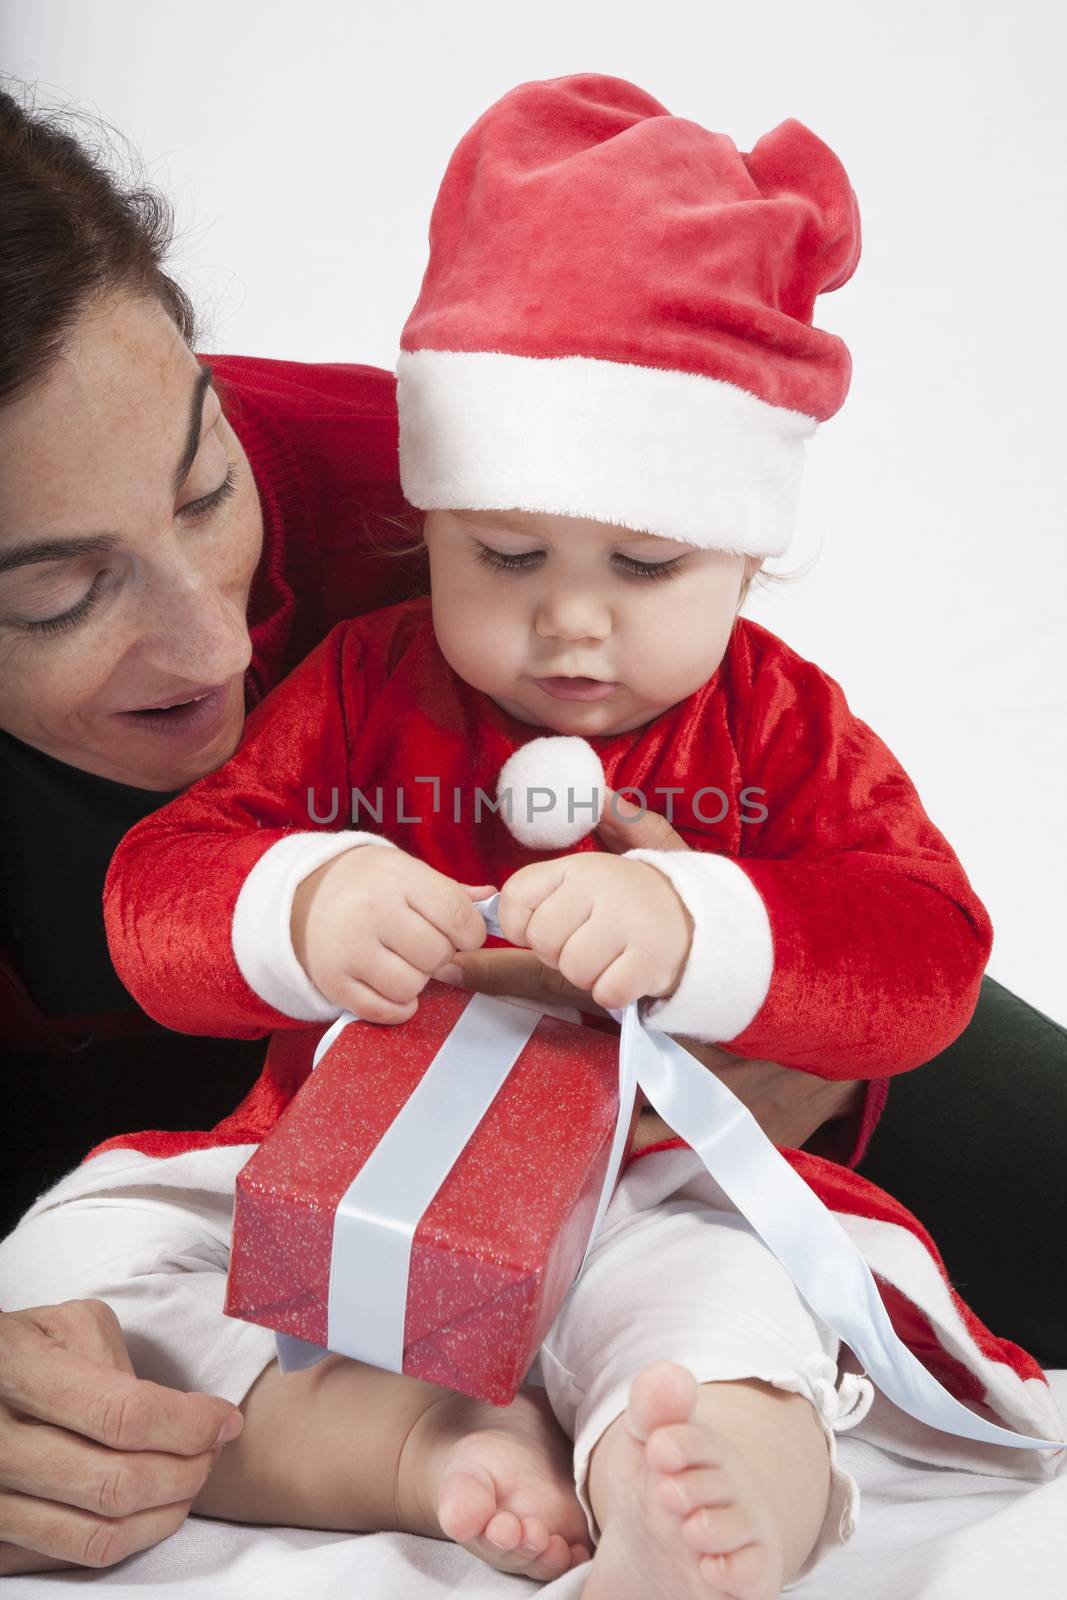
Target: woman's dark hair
column 71, row 229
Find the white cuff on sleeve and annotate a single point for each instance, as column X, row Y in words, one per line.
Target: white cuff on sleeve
column 262, row 942
column 728, row 973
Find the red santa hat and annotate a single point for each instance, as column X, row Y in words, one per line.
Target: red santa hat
column 615, row 321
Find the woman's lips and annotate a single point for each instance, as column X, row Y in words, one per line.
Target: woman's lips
column 576, row 688
column 197, row 716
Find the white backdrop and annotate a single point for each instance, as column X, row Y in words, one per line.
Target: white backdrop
column 303, row 144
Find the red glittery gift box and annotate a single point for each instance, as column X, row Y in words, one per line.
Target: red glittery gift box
column 499, row 1245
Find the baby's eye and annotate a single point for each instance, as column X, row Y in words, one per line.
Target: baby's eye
column 650, row 569
column 503, row 563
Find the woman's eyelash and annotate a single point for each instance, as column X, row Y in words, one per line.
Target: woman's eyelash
column 638, row 569
column 78, row 613
column 69, row 618
column 208, row 502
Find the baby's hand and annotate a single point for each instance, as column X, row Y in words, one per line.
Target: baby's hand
column 612, row 926
column 372, row 925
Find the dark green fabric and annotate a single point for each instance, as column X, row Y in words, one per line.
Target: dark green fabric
column 974, row 1143
column 58, row 1106
column 59, row 828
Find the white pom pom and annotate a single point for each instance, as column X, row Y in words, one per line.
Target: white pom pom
column 558, row 791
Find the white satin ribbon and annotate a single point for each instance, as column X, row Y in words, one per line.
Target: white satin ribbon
column 805, row 1237
column 378, row 1214
column 381, row 1208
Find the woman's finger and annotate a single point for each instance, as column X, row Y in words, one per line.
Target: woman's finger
column 15, row 1560
column 521, row 973
column 66, row 1533
column 622, row 827
column 48, row 1463
column 789, row 1104
column 88, row 1327
column 57, row 1385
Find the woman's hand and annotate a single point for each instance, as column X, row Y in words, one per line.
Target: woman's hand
column 94, row 1462
column 371, row 926
column 789, row 1105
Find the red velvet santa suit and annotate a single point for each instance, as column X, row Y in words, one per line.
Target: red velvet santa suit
column 878, row 942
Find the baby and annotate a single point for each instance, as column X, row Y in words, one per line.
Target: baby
column 603, row 393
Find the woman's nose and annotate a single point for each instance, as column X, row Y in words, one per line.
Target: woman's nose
column 199, row 632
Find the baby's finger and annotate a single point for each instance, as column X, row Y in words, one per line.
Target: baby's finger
column 556, row 920
column 626, row 979
column 446, row 906
column 391, row 975
column 590, row 951
column 417, row 942
column 523, row 893
column 367, row 1004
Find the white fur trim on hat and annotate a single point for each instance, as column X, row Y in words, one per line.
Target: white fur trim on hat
column 670, row 453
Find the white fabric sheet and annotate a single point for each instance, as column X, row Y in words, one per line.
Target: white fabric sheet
column 925, row 1534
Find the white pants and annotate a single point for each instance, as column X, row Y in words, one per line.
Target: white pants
column 678, row 1277
column 690, row 1282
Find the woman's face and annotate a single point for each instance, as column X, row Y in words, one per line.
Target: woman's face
column 130, row 529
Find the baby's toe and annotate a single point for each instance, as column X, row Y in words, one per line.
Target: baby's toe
column 674, row 1449
column 536, row 1553
column 504, row 1532
column 554, row 1560
column 516, row 1544
column 663, row 1394
column 535, row 1538
column 686, row 1491
column 718, row 1530
column 751, row 1571
column 466, row 1504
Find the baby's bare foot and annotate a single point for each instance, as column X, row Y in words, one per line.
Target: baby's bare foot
column 497, row 1480
column 686, row 1519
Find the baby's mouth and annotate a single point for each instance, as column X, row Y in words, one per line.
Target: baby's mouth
column 576, row 688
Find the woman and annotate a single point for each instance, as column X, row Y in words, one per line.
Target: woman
column 174, row 537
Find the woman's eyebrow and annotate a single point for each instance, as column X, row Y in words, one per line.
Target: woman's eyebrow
column 32, row 550
column 29, row 551
column 192, row 437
